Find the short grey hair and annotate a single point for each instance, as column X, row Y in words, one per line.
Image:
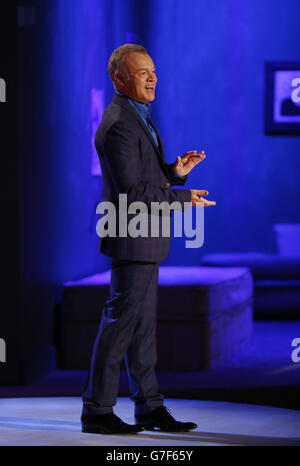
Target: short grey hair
column 117, row 59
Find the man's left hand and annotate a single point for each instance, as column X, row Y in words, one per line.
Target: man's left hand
column 189, row 160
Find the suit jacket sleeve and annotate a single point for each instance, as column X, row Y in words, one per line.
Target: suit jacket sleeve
column 121, row 151
column 175, row 180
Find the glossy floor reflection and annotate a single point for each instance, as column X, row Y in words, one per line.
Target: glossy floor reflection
column 55, row 421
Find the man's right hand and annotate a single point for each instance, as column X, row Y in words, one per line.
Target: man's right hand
column 197, row 199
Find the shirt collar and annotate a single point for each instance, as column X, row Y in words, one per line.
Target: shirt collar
column 143, row 109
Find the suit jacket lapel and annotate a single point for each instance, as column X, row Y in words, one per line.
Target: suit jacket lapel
column 159, row 150
column 160, row 146
column 148, row 132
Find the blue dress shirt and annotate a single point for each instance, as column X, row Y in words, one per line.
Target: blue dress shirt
column 144, row 110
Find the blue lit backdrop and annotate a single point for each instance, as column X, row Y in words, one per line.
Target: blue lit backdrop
column 210, row 59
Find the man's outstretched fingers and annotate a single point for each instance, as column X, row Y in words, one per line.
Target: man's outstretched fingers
column 207, row 203
column 201, row 192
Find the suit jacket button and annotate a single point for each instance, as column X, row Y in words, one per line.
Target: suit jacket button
column 168, row 185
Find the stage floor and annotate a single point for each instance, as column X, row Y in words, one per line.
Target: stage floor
column 55, row 421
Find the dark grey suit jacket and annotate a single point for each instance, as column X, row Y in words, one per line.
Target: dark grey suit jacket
column 132, row 164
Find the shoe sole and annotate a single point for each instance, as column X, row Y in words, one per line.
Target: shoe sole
column 99, row 430
column 161, row 429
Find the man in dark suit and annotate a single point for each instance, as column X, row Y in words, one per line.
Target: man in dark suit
column 133, row 163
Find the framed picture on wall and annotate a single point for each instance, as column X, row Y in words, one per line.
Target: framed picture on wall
column 282, row 92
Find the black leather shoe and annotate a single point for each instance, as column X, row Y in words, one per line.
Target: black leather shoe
column 107, row 424
column 161, row 419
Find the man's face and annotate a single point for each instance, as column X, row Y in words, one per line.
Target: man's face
column 140, row 81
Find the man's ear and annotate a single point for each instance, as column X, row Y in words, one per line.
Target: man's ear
column 119, row 79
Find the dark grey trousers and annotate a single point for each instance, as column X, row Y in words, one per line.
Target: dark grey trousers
column 127, row 329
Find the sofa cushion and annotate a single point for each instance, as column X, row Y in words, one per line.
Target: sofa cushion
column 288, row 239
